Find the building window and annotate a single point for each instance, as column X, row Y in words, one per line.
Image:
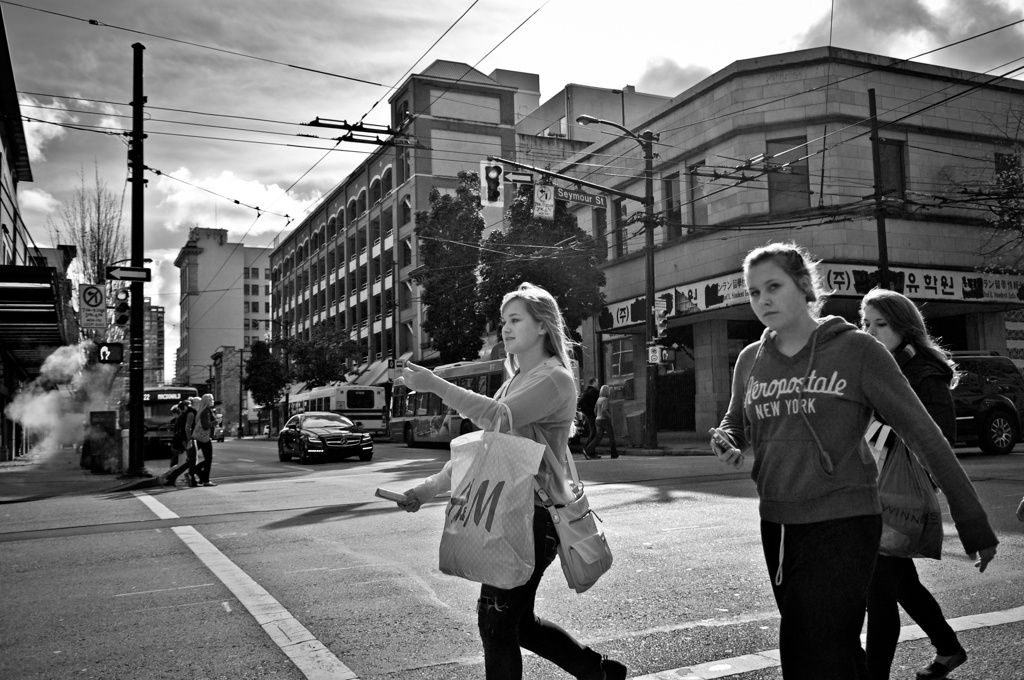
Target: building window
column 245, row 272
column 619, row 358
column 601, row 233
column 246, row 340
column 266, row 289
column 894, row 178
column 670, row 207
column 266, row 306
column 245, row 324
column 789, row 187
column 698, row 207
column 406, row 210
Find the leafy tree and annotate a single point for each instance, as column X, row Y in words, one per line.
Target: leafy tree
column 555, row 255
column 323, row 358
column 449, row 238
column 265, row 377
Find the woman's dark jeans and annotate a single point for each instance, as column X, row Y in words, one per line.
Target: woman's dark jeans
column 202, row 470
column 895, row 581
column 507, row 621
column 188, row 464
column 822, row 591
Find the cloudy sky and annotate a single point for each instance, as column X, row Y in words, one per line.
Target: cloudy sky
column 224, row 127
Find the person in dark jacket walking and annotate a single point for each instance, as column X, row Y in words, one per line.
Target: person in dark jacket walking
column 802, row 397
column 588, row 402
column 895, row 321
column 182, row 444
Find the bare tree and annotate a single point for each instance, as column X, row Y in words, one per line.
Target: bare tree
column 92, row 221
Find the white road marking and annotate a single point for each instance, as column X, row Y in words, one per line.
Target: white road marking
column 724, row 668
column 309, row 655
column 246, row 460
column 164, row 590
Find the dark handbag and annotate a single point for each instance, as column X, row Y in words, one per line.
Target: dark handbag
column 911, row 515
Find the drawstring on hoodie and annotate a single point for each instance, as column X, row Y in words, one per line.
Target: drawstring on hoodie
column 782, row 553
column 826, row 460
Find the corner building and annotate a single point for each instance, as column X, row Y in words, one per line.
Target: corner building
column 778, row 148
column 348, row 263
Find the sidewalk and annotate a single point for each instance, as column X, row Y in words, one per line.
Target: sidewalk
column 47, row 474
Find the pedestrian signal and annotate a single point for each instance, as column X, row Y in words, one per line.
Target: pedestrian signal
column 492, row 182
column 122, row 307
column 110, row 352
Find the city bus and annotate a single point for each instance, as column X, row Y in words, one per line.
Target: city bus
column 158, row 418
column 365, row 405
column 422, row 418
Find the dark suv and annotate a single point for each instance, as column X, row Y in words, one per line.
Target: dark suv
column 989, row 401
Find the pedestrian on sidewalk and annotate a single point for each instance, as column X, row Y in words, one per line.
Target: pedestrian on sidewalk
column 540, row 392
column 805, row 394
column 203, row 435
column 895, row 321
column 587, row 405
column 182, row 444
column 603, row 425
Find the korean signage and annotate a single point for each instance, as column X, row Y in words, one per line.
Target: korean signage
column 843, row 280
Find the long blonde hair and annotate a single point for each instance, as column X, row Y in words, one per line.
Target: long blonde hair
column 542, row 306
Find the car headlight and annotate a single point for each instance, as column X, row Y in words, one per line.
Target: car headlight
column 313, row 438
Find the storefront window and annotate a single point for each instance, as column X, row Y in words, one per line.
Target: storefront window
column 618, row 362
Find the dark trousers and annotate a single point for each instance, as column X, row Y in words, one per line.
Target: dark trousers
column 895, row 582
column 178, row 465
column 821, row 591
column 603, row 426
column 507, row 621
column 202, row 471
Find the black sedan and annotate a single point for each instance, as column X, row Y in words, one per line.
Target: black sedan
column 318, row 434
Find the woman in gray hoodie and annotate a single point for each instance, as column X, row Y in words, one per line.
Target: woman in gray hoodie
column 802, row 398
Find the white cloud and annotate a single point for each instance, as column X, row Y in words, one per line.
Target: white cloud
column 39, row 134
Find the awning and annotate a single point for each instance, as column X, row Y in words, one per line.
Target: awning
column 31, row 315
column 376, row 374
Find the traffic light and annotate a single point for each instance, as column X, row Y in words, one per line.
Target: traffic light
column 660, row 323
column 492, row 182
column 122, row 307
column 110, row 352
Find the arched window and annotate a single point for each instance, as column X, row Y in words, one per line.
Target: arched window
column 352, row 214
column 332, row 228
column 361, row 202
column 375, row 194
column 387, row 182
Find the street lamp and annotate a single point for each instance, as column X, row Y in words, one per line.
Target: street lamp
column 646, row 142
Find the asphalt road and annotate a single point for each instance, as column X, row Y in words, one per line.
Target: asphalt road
column 298, row 571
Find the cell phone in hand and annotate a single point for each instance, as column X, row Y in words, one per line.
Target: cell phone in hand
column 721, row 439
column 390, row 495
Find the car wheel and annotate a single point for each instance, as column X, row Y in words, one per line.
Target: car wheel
column 281, row 455
column 410, row 438
column 999, row 433
column 304, row 454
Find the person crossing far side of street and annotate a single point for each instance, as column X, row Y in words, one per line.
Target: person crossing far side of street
column 203, row 435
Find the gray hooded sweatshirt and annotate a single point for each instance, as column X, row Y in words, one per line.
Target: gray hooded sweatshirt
column 805, row 417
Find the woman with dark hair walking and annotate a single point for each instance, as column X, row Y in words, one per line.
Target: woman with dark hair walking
column 895, row 321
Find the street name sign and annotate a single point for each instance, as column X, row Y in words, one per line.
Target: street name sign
column 128, row 273
column 574, row 196
column 92, row 306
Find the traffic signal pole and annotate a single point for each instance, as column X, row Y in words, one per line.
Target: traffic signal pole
column 136, row 432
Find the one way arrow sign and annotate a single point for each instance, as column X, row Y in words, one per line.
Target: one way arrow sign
column 128, row 273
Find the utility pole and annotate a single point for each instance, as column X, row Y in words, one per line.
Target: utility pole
column 241, row 357
column 136, row 158
column 876, row 162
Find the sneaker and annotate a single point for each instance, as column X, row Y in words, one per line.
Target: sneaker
column 613, row 670
column 209, row 483
column 942, row 665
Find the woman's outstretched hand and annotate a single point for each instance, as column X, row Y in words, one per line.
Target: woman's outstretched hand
column 984, row 556
column 419, row 379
